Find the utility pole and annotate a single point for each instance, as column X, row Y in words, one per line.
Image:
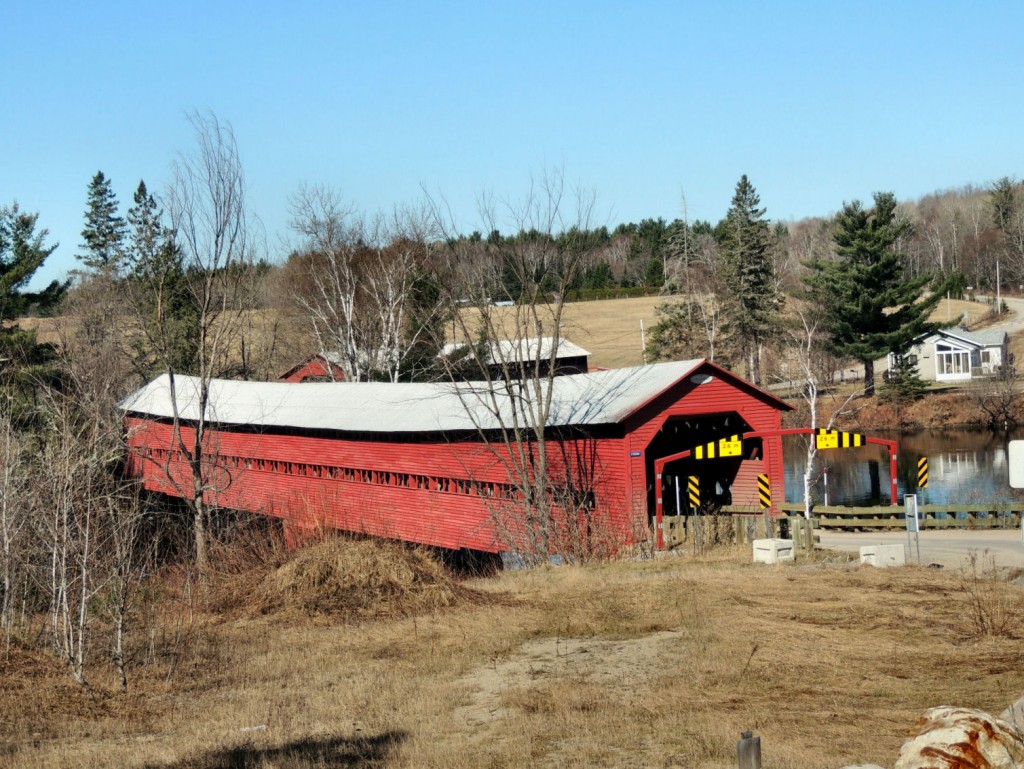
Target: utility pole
column 999, row 296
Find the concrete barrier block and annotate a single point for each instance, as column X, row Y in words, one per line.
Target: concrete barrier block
column 773, row 550
column 883, row 555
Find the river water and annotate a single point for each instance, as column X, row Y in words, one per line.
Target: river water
column 965, row 467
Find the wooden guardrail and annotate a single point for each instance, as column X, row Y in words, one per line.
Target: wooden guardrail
column 749, row 522
column 976, row 516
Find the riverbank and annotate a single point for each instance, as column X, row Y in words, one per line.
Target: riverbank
column 936, row 410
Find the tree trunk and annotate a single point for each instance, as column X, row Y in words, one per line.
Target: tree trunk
column 202, row 557
column 812, row 456
column 869, row 377
column 119, row 621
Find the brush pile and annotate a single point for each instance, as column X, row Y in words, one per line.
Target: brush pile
column 355, row 580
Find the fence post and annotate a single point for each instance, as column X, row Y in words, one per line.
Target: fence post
column 748, row 751
column 802, row 534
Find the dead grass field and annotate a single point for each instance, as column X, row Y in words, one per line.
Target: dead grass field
column 655, row 663
column 609, row 329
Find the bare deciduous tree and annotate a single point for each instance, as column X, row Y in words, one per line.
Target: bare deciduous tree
column 511, row 347
column 77, row 501
column 14, row 514
column 692, row 327
column 86, row 513
column 357, row 282
column 998, row 397
column 805, row 343
column 210, row 222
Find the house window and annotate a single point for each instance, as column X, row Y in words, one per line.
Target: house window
column 985, row 357
column 958, row 362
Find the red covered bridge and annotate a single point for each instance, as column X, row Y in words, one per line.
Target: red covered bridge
column 427, row 462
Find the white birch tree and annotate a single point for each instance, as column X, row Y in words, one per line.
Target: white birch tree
column 356, row 282
column 535, row 268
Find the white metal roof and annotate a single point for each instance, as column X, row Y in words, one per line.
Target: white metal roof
column 525, row 349
column 600, row 397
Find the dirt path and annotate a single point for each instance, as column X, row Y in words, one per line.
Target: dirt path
column 615, row 666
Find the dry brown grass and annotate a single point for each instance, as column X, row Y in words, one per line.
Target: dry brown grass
column 657, row 663
column 991, row 611
column 348, row 580
column 609, row 328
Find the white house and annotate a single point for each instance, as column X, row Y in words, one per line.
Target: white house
column 955, row 355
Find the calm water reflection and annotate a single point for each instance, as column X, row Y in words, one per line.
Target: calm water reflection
column 965, row 466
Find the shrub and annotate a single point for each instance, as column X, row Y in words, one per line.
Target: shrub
column 991, row 609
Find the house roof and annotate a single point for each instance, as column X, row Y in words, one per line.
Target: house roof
column 975, row 338
column 525, row 349
column 601, row 397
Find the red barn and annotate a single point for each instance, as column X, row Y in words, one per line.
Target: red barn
column 318, row 368
column 429, row 463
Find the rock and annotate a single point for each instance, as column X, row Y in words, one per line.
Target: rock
column 1015, row 713
column 862, row 766
column 962, row 738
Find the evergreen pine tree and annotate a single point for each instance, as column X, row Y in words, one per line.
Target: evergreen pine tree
column 104, row 230
column 870, row 307
column 159, row 290
column 903, row 384
column 146, row 233
column 22, row 252
column 753, row 301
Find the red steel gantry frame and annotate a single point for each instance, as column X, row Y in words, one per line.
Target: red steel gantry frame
column 659, row 468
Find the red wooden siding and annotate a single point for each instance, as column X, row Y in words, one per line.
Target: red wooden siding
column 718, row 396
column 454, row 493
column 316, row 368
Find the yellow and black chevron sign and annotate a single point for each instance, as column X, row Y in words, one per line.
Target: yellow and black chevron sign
column 835, row 439
column 922, row 473
column 724, row 447
column 693, row 490
column 764, row 491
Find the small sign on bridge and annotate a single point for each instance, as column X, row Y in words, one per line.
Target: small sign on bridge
column 834, row 439
column 724, row 447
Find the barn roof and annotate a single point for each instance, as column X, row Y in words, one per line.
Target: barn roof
column 524, row 349
column 600, row 397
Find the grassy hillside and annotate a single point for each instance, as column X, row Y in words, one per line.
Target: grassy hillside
column 609, row 329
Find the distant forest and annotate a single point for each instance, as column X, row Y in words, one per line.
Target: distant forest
column 960, row 233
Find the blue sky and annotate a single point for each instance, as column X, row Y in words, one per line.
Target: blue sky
column 642, row 103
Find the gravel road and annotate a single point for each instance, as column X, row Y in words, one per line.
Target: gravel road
column 947, row 547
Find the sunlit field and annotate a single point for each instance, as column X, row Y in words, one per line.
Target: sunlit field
column 649, row 663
